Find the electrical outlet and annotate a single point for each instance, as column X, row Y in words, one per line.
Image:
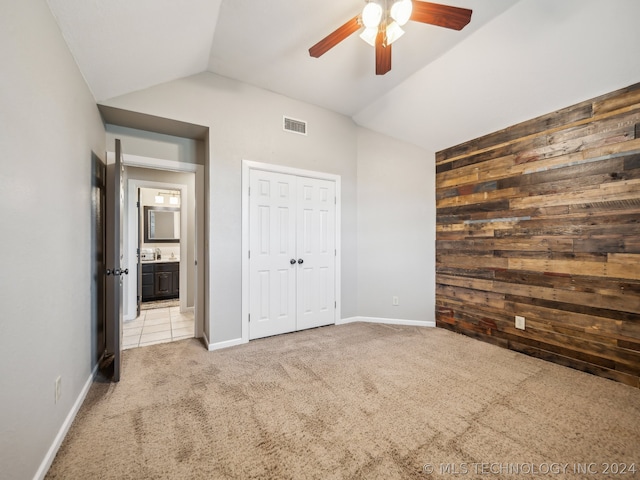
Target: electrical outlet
column 58, row 389
column 519, row 322
column 395, row 301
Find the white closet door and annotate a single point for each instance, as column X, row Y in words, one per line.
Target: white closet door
column 272, row 246
column 315, row 252
column 292, row 253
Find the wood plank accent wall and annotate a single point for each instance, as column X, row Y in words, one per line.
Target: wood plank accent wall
column 542, row 220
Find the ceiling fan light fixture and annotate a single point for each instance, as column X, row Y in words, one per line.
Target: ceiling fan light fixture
column 369, row 35
column 394, row 32
column 383, row 20
column 371, row 15
column 401, row 11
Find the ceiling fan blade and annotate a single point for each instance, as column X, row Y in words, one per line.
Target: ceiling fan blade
column 334, row 38
column 441, row 15
column 383, row 54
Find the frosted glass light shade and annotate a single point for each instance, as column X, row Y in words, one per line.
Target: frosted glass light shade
column 371, row 15
column 394, row 32
column 369, row 35
column 173, row 200
column 401, row 11
column 159, row 199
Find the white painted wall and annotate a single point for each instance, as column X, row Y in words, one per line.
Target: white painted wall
column 246, row 123
column 49, row 129
column 153, row 145
column 396, row 228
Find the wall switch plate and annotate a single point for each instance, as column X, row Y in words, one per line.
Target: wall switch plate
column 519, row 322
column 58, row 389
column 395, row 301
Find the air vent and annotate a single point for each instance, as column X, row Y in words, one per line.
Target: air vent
column 295, row 126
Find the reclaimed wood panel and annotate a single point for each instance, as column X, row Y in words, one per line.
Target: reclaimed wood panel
column 542, row 219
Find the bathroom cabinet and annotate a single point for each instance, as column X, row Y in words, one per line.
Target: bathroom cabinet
column 160, row 280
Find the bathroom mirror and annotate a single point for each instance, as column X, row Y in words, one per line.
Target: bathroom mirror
column 161, row 225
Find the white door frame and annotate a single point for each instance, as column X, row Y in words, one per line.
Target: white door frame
column 200, row 302
column 247, row 166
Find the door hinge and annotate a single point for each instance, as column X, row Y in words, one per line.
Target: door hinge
column 249, row 317
column 335, row 252
column 138, row 204
column 249, row 192
column 249, row 253
column 335, row 304
column 335, row 200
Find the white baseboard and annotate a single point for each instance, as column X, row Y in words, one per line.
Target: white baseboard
column 225, row 344
column 389, row 321
column 51, row 454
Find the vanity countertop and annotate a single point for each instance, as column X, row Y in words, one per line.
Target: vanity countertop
column 163, row 260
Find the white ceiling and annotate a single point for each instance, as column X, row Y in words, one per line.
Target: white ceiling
column 266, row 43
column 126, row 45
column 516, row 59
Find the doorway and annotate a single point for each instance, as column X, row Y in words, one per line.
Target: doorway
column 161, row 299
column 176, row 147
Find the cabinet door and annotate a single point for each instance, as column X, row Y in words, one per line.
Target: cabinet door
column 176, row 284
column 163, row 283
column 148, row 289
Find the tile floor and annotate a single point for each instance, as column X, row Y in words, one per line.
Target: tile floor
column 159, row 325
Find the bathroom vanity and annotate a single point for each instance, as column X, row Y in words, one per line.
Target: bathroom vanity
column 160, row 280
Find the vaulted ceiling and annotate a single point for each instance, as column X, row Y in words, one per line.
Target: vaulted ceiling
column 516, row 59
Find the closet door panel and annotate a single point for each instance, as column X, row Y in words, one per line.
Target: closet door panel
column 272, row 243
column 316, row 249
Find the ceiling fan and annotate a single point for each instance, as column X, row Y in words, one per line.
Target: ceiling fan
column 382, row 21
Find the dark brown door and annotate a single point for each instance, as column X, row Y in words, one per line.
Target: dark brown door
column 115, row 269
column 98, row 222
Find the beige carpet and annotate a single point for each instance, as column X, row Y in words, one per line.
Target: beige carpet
column 357, row 401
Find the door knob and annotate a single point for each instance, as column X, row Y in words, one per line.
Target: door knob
column 292, row 261
column 300, row 261
column 117, row 272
